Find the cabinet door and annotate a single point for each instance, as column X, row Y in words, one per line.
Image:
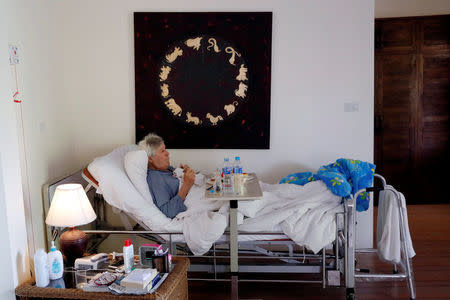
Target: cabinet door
column 412, row 95
column 433, row 131
column 396, row 35
column 395, row 122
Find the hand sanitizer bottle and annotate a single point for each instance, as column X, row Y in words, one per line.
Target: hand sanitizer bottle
column 55, row 263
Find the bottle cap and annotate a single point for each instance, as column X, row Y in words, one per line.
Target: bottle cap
column 53, row 248
column 127, row 242
column 237, row 158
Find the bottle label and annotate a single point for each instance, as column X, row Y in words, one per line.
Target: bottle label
column 227, row 170
column 56, row 267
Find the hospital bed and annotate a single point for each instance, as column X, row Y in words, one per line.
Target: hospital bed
column 270, row 252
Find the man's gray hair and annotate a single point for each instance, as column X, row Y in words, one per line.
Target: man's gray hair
column 150, row 143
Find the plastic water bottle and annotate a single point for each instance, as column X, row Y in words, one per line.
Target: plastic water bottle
column 237, row 170
column 227, row 173
column 218, row 187
column 41, row 271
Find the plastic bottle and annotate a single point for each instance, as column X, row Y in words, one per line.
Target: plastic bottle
column 237, row 170
column 227, row 173
column 41, row 268
column 128, row 256
column 55, row 263
column 218, row 182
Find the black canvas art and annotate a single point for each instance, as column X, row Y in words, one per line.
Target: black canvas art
column 203, row 79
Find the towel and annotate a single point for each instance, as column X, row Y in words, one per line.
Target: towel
column 388, row 228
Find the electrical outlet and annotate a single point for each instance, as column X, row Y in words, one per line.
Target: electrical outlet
column 13, row 55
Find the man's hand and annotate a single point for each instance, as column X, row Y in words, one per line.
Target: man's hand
column 185, row 168
column 189, row 178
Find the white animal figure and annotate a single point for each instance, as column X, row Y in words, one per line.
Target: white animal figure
column 242, row 73
column 192, row 119
column 164, row 73
column 165, row 90
column 194, row 43
column 173, row 106
column 233, row 52
column 215, row 119
column 172, row 56
column 230, row 108
column 241, row 91
column 213, row 43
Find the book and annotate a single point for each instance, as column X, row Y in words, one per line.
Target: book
column 139, row 278
column 154, row 281
column 159, row 282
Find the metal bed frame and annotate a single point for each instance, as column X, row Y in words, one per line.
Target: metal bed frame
column 338, row 260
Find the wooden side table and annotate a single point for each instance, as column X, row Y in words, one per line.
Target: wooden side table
column 174, row 287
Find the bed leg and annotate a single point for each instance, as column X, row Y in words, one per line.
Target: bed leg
column 215, row 261
column 234, row 287
column 404, row 251
column 324, row 271
column 394, row 269
column 350, row 246
column 350, row 294
column 291, row 250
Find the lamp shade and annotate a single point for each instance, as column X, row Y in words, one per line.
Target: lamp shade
column 70, row 207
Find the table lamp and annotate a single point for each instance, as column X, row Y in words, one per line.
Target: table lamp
column 70, row 207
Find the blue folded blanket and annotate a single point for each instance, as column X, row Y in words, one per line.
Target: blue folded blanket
column 343, row 178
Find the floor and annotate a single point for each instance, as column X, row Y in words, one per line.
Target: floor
column 430, row 230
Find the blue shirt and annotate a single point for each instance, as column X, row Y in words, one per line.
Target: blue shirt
column 164, row 189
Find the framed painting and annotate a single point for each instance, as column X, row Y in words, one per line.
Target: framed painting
column 202, row 80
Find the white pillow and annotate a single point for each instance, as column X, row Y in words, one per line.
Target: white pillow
column 109, row 163
column 119, row 191
column 135, row 163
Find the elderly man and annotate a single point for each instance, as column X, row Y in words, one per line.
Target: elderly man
column 161, row 181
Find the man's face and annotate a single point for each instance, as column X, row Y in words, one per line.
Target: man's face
column 160, row 160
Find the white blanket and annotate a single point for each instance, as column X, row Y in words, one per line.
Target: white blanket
column 306, row 214
column 388, row 228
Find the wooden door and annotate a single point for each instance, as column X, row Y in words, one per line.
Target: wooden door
column 412, row 93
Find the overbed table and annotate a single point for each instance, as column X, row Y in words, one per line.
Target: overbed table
column 251, row 191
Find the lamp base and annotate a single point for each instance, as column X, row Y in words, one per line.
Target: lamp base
column 73, row 244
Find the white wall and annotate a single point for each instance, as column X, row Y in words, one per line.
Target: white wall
column 13, row 251
column 77, row 75
column 408, row 8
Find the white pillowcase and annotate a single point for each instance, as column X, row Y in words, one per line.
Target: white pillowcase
column 120, row 189
column 135, row 163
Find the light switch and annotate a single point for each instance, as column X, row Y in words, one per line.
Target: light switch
column 351, row 106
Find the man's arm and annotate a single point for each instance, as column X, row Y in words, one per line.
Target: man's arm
column 172, row 207
column 162, row 197
column 189, row 178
